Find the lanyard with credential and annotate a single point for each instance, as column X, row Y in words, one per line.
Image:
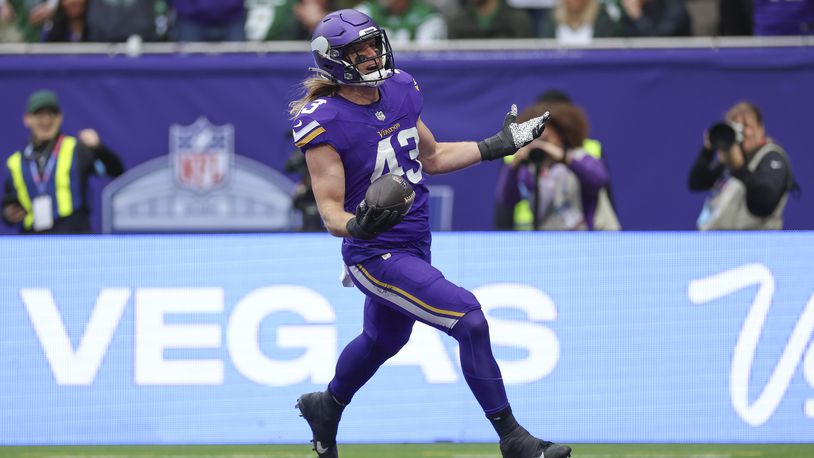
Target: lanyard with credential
column 41, row 180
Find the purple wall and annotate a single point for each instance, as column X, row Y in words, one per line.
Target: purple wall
column 648, row 107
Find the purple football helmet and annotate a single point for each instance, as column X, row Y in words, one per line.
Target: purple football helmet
column 336, row 45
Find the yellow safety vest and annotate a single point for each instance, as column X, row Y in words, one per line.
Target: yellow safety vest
column 62, row 181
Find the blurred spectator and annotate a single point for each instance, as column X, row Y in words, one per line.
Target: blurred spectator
column 8, row 29
column 703, row 17
column 783, row 17
column 657, row 18
column 579, row 21
column 31, row 16
column 208, row 20
column 520, row 216
column 539, row 10
column 68, row 24
column 406, row 20
column 46, row 191
column 284, row 19
column 735, row 17
column 563, row 180
column 748, row 176
column 113, row 21
column 489, row 19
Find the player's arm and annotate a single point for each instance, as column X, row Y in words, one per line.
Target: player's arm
column 444, row 157
column 328, row 183
column 447, row 157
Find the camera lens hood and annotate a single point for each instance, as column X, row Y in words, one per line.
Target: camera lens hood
column 722, row 136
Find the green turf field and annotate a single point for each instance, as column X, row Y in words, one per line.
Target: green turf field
column 443, row 450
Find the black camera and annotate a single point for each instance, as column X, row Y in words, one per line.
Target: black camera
column 296, row 163
column 536, row 156
column 723, row 135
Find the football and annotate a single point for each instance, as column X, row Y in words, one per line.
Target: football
column 390, row 192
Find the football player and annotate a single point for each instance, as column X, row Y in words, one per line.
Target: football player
column 358, row 119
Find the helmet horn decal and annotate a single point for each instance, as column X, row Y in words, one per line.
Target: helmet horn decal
column 339, row 32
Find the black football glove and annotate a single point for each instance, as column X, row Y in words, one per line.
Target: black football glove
column 512, row 137
column 369, row 222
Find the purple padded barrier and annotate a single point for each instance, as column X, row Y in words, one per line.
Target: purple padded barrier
column 648, row 107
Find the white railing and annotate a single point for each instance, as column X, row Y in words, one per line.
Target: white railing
column 448, row 45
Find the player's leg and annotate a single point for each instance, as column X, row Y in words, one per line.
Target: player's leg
column 384, row 332
column 483, row 376
column 414, row 287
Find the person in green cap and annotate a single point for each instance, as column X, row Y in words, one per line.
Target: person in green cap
column 47, row 186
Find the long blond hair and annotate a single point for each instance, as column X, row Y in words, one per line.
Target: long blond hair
column 312, row 88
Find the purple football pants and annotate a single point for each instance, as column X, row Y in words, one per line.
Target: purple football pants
column 401, row 289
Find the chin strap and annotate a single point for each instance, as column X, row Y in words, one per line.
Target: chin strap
column 323, row 74
column 386, row 73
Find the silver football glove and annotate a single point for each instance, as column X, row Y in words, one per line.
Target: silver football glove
column 513, row 136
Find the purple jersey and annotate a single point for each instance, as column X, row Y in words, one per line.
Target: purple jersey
column 373, row 140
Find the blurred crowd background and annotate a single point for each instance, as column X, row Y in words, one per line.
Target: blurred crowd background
column 567, row 21
column 201, row 139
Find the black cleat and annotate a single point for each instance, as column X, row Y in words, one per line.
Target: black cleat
column 322, row 413
column 520, row 444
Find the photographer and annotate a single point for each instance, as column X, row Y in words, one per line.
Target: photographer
column 555, row 172
column 748, row 175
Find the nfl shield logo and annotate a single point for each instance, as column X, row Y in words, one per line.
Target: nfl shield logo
column 380, row 116
column 202, row 154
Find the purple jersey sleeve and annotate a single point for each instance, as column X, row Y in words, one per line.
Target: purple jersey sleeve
column 315, row 124
column 416, row 99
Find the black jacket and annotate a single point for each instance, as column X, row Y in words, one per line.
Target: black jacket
column 88, row 161
column 765, row 186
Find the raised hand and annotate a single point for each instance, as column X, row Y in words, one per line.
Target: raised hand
column 513, row 136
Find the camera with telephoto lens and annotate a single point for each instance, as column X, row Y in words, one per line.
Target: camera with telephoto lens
column 536, row 156
column 723, row 135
